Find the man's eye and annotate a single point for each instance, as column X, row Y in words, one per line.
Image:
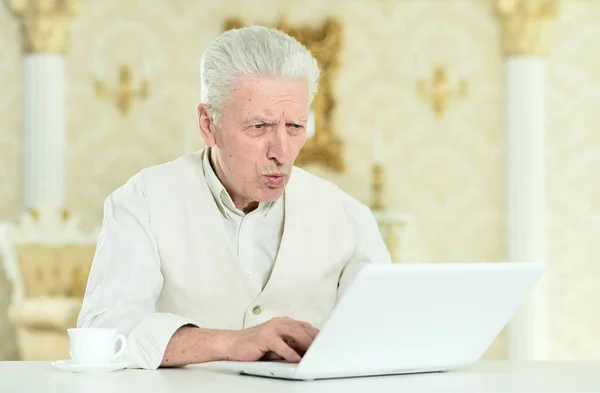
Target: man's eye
column 258, row 126
column 296, row 125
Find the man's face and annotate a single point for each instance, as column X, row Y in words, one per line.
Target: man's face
column 259, row 136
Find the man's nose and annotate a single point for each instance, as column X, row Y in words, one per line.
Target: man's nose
column 279, row 146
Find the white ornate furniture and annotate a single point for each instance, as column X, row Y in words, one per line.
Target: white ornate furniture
column 47, row 258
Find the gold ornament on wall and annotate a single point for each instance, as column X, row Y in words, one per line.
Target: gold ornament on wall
column 324, row 42
column 523, row 25
column 439, row 90
column 45, row 23
column 125, row 92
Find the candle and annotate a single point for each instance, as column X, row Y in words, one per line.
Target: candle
column 421, row 67
column 187, row 141
column 98, row 68
column 462, row 66
column 310, row 126
column 146, row 67
column 378, row 148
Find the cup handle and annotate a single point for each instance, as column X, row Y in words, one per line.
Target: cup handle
column 120, row 338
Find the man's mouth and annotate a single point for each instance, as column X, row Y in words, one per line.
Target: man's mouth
column 275, row 180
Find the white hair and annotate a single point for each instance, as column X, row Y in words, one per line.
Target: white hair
column 253, row 51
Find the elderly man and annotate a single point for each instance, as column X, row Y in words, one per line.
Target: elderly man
column 231, row 253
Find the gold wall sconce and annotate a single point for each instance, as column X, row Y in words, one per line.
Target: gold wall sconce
column 126, row 92
column 440, row 91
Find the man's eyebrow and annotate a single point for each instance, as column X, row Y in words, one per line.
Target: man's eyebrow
column 300, row 120
column 258, row 119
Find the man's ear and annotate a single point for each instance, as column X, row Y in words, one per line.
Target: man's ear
column 206, row 125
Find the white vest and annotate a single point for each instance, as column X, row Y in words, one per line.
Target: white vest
column 192, row 241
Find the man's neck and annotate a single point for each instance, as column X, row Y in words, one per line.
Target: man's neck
column 244, row 204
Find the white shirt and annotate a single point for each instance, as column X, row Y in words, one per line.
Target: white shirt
column 256, row 236
column 163, row 258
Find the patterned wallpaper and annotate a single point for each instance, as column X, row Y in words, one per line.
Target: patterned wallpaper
column 11, row 109
column 446, row 172
column 10, row 157
column 375, row 80
column 574, row 181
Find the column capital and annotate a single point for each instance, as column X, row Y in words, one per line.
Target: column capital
column 44, row 23
column 524, row 24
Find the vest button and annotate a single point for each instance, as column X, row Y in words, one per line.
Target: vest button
column 257, row 310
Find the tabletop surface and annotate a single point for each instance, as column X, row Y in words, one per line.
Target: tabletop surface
column 485, row 376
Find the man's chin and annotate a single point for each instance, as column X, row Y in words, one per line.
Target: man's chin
column 272, row 194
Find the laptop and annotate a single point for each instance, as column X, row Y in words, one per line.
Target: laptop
column 409, row 318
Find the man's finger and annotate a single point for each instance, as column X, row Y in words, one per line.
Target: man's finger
column 309, row 329
column 271, row 356
column 280, row 348
column 295, row 335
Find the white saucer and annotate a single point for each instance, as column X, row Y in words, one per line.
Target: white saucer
column 70, row 365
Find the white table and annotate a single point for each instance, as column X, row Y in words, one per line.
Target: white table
column 483, row 377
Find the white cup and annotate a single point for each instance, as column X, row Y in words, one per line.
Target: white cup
column 95, row 345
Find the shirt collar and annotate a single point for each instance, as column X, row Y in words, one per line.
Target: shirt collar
column 220, row 194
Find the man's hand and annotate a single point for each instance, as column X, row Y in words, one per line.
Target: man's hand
column 278, row 339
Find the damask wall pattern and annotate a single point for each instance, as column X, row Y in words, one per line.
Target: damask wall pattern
column 377, row 78
column 448, row 172
column 10, row 157
column 11, row 109
column 574, row 181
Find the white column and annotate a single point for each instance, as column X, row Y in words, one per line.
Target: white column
column 524, row 45
column 44, row 27
column 44, row 138
column 526, row 194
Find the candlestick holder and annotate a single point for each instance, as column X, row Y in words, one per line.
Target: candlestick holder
column 377, row 187
column 391, row 223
